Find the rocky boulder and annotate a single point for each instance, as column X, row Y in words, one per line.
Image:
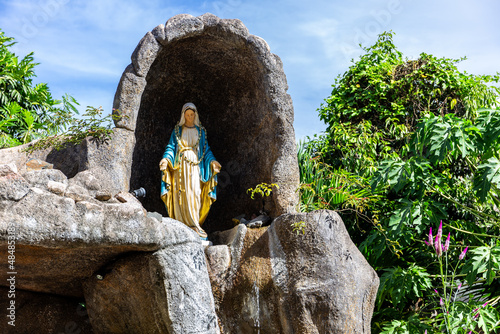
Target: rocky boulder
column 69, row 243
column 166, row 292
column 64, row 235
column 281, row 281
column 109, row 162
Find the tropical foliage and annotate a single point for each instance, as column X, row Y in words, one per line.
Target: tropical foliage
column 410, row 143
column 28, row 111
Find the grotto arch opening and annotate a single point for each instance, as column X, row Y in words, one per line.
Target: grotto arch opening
column 226, row 82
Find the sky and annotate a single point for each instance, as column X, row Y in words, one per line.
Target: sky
column 83, row 46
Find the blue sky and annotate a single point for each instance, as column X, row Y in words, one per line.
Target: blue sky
column 84, row 45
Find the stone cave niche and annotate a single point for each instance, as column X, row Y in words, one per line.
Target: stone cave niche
column 239, row 89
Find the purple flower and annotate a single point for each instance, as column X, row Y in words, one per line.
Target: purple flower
column 437, row 241
column 429, row 242
column 446, row 244
column 437, row 293
column 441, row 302
column 462, row 255
column 437, row 246
column 459, row 286
column 484, row 305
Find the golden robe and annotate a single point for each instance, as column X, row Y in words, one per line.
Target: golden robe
column 189, row 182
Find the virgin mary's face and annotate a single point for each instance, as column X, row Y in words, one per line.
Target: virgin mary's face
column 189, row 116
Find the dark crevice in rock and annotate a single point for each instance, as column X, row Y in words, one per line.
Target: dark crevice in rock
column 69, row 160
column 45, row 313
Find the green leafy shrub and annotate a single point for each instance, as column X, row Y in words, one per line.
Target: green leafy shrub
column 27, row 110
column 92, row 124
column 425, row 138
column 375, row 106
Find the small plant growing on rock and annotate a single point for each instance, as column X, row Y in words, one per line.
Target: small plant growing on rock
column 299, row 227
column 263, row 189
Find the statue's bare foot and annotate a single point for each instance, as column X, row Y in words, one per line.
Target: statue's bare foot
column 200, row 232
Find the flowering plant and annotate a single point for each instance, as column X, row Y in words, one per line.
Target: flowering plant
column 459, row 312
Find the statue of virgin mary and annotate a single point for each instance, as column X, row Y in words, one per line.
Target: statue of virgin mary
column 189, row 172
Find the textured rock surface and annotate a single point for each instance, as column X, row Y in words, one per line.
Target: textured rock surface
column 63, row 239
column 108, row 162
column 42, row 178
column 13, row 186
column 44, row 314
column 66, row 239
column 317, row 282
column 240, row 89
column 167, row 291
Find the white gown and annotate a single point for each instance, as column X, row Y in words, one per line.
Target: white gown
column 188, row 181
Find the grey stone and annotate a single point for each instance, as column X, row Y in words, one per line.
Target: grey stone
column 110, row 163
column 17, row 156
column 8, row 168
column 77, row 193
column 234, row 239
column 85, row 179
column 167, row 292
column 182, row 26
column 12, row 185
column 78, row 238
column 155, row 215
column 326, row 270
column 317, row 282
column 121, row 297
column 128, row 98
column 218, row 260
column 144, row 54
column 189, row 294
column 234, row 27
column 209, row 20
column 41, row 178
column 159, row 33
column 259, row 44
column 58, row 188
